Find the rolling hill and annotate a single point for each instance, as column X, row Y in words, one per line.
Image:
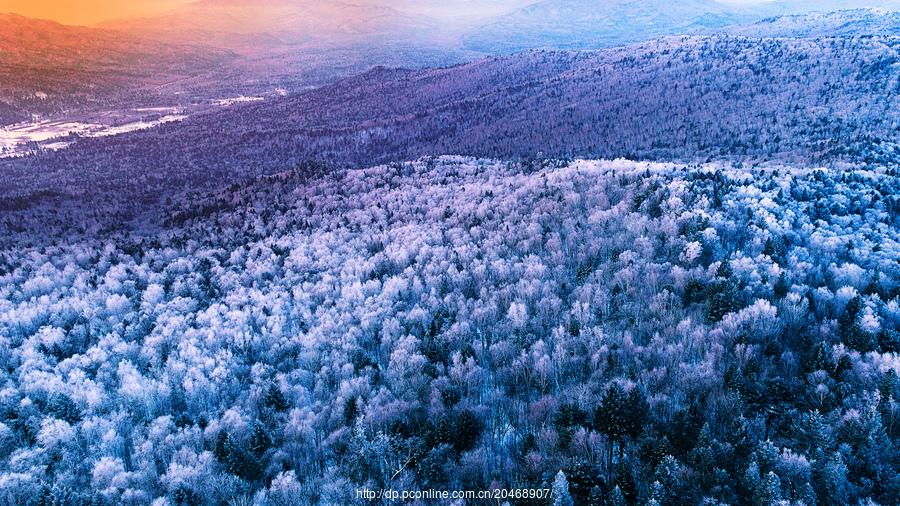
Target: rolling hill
column 845, row 23
column 293, row 45
column 586, row 24
column 259, row 26
column 689, row 98
column 47, row 67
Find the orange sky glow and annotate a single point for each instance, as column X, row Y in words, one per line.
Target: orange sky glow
column 91, row 12
column 86, row 12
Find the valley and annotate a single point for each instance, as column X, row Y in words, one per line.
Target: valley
column 53, row 71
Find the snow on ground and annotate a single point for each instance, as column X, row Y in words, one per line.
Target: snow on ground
column 227, row 102
column 20, row 139
column 137, row 125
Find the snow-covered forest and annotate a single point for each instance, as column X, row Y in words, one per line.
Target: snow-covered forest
column 659, row 333
column 663, row 274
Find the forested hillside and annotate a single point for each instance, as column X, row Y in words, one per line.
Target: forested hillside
column 807, row 101
column 47, row 68
column 583, row 24
column 588, row 24
column 659, row 333
column 846, row 23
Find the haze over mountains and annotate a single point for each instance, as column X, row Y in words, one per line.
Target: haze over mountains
column 572, row 24
column 251, row 27
column 737, row 94
column 509, row 26
column 47, row 68
column 846, row 23
column 293, row 44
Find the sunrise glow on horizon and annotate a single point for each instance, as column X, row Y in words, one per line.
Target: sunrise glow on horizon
column 92, row 12
column 86, row 12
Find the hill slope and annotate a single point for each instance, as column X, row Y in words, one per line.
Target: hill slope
column 855, row 22
column 46, row 66
column 466, row 321
column 251, row 27
column 689, row 98
column 587, row 24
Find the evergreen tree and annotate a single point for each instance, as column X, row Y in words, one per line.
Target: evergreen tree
column 725, row 299
column 560, row 491
column 668, row 482
column 658, row 495
column 833, row 487
column 220, row 450
column 812, row 432
column 468, row 429
column 768, row 491
column 776, row 249
column 808, row 495
column 242, row 463
column 703, row 458
column 351, row 411
column 596, row 497
column 724, row 271
column 63, row 408
column 616, row 498
column 781, row 287
column 610, row 419
column 567, row 421
column 582, row 478
column 275, row 399
column 183, row 496
column 260, row 440
column 851, row 333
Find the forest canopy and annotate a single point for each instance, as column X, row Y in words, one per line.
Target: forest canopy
column 620, row 332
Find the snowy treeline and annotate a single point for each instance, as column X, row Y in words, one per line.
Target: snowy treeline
column 845, row 23
column 661, row 334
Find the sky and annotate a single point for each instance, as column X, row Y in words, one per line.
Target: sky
column 86, row 12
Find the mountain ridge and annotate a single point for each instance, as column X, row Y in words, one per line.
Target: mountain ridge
column 583, row 24
column 843, row 23
column 233, row 24
column 682, row 98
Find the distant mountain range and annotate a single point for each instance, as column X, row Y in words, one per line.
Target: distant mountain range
column 541, row 24
column 205, row 50
column 253, row 26
column 46, row 67
column 589, row 24
column 577, row 24
column 828, row 100
column 854, row 22
column 218, row 48
column 295, row 44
